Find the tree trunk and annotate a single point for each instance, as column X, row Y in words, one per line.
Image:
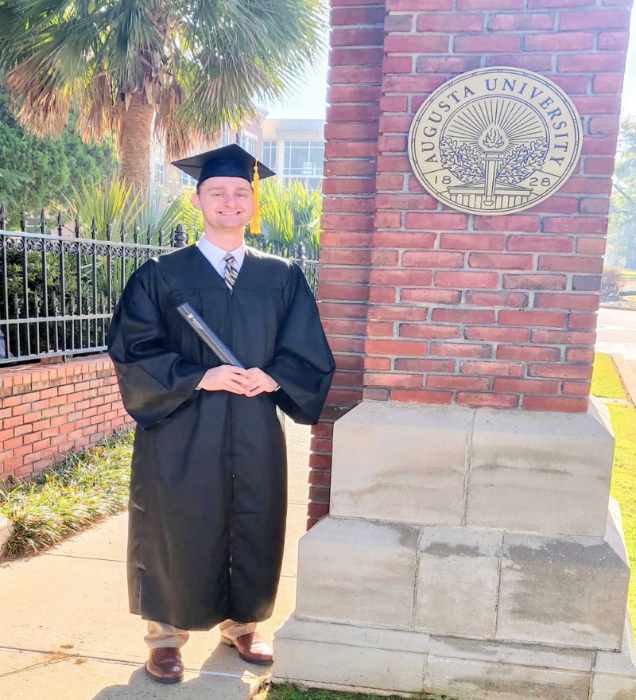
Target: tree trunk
column 136, row 142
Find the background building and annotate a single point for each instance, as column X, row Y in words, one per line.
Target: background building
column 293, row 148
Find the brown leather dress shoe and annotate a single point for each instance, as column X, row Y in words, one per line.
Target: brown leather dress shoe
column 251, row 648
column 165, row 665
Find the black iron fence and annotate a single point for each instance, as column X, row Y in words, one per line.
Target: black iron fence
column 60, row 287
column 306, row 258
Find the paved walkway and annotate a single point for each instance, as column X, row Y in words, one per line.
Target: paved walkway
column 66, row 633
column 616, row 332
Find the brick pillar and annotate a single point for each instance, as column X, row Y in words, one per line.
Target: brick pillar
column 427, row 305
column 351, row 134
column 471, row 549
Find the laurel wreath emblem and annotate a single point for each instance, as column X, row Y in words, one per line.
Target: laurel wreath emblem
column 524, row 160
column 468, row 163
column 463, row 160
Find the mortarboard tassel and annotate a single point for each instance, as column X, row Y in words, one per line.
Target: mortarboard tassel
column 255, row 223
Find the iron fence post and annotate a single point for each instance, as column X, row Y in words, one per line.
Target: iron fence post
column 301, row 257
column 179, row 237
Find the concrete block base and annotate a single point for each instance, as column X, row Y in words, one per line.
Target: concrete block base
column 518, row 471
column 466, row 582
column 363, row 658
column 469, row 553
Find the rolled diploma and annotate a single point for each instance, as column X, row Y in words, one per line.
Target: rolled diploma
column 208, row 336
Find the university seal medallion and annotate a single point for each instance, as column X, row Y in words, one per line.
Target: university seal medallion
column 495, row 140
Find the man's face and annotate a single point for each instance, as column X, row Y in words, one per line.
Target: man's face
column 226, row 202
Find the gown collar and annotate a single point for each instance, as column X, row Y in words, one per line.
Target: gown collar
column 198, row 273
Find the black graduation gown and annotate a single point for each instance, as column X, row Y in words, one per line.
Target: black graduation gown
column 208, row 492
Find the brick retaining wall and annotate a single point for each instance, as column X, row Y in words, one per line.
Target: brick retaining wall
column 46, row 410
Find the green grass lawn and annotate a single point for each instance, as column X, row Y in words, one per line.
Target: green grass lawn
column 624, row 483
column 288, row 692
column 606, row 383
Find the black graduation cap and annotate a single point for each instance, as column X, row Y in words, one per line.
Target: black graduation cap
column 228, row 161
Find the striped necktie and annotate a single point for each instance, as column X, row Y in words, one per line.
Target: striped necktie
column 231, row 273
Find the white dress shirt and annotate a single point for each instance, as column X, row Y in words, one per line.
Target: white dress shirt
column 215, row 255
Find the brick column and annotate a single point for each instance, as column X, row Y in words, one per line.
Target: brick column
column 428, row 305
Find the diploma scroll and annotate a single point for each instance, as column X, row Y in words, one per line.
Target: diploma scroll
column 208, row 336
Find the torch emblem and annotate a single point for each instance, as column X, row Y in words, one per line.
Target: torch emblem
column 493, row 144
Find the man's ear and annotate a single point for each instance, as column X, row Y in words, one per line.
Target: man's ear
column 194, row 197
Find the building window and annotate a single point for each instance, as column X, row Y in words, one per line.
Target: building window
column 159, row 173
column 227, row 138
column 247, row 141
column 270, row 153
column 186, row 180
column 304, row 160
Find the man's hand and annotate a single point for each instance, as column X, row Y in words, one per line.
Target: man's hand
column 259, row 382
column 227, row 378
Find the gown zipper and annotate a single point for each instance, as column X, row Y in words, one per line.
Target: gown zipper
column 230, row 308
column 231, row 444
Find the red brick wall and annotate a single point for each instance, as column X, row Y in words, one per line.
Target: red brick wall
column 48, row 409
column 439, row 306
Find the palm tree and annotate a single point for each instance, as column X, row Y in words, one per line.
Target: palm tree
column 185, row 69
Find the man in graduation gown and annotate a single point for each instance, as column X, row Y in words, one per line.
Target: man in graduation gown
column 209, row 483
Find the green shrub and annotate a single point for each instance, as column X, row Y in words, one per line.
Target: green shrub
column 82, row 488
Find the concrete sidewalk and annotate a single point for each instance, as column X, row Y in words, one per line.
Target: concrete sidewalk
column 66, row 633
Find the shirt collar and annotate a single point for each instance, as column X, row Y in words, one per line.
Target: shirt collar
column 216, row 254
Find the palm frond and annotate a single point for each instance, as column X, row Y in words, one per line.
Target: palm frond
column 202, row 66
column 96, row 113
column 114, row 204
column 156, row 218
column 41, row 105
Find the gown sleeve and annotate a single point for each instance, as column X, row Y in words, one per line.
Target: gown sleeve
column 303, row 364
column 153, row 380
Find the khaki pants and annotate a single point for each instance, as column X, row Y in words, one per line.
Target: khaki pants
column 161, row 634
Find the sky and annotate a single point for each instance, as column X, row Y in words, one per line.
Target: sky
column 309, row 101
